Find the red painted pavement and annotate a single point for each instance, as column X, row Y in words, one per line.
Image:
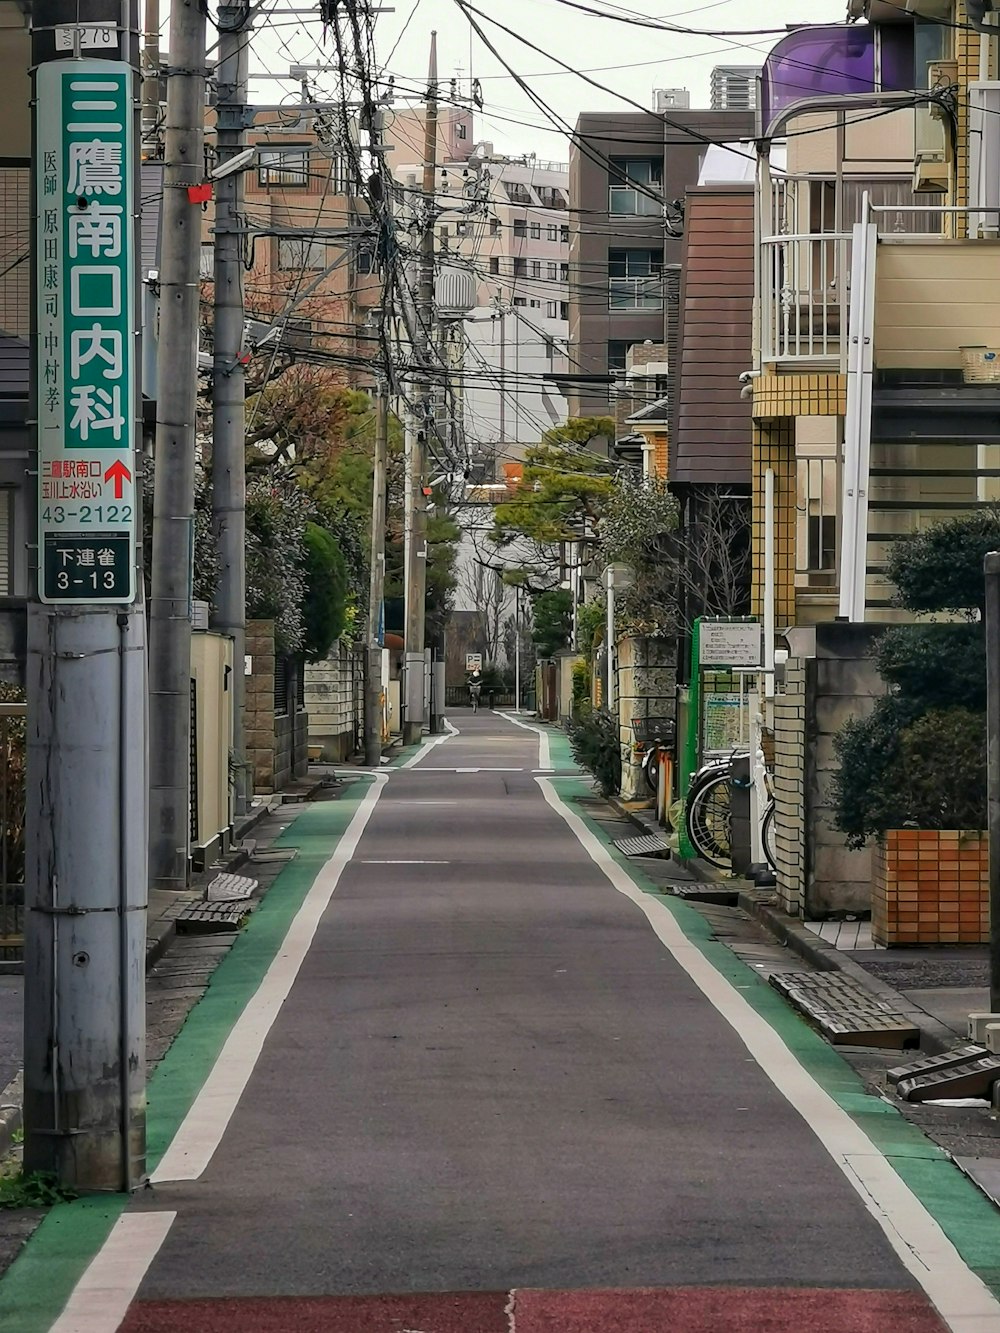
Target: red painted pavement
column 672, row 1310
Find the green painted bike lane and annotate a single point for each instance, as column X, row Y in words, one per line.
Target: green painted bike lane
column 969, row 1220
column 40, row 1281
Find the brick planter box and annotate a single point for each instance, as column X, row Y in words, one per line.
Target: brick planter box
column 931, row 887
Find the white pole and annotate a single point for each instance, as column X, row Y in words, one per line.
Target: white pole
column 769, row 597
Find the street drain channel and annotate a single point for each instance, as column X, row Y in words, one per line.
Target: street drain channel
column 846, row 1012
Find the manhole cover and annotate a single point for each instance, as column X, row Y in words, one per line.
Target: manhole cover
column 845, row 1011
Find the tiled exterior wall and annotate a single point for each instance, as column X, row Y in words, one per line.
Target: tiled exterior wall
column 646, row 685
column 814, row 395
column 931, row 888
column 277, row 747
column 967, row 53
column 789, row 787
column 774, row 447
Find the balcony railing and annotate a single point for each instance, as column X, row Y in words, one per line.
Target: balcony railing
column 804, row 297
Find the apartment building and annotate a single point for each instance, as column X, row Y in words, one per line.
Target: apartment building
column 506, row 219
column 622, row 238
column 734, row 87
column 871, row 238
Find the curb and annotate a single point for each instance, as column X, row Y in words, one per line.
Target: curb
column 935, row 1036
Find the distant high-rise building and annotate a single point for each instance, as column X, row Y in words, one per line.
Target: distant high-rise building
column 734, row 87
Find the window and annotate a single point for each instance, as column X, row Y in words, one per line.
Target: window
column 520, row 227
column 517, row 193
column 552, row 232
column 551, row 309
column 564, row 234
column 443, row 229
column 550, row 197
column 617, row 354
column 822, row 541
column 535, row 231
column 206, row 261
column 494, row 264
column 628, row 172
column 295, row 252
column 564, row 310
column 460, row 131
column 365, row 260
column 6, row 541
column 283, row 168
column 564, row 273
column 494, row 226
column 552, row 272
column 520, row 300
column 536, row 269
column 461, row 229
column 635, row 279
column 535, row 305
column 520, row 268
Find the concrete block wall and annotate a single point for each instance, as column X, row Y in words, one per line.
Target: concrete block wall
column 331, row 703
column 646, row 687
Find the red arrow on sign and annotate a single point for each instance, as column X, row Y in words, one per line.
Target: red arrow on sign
column 119, row 474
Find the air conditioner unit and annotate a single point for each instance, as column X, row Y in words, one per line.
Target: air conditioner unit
column 199, row 615
column 984, row 158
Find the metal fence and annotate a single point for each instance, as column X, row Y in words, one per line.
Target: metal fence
column 12, row 794
column 457, row 696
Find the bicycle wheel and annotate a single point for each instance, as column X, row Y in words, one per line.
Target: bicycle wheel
column 650, row 765
column 708, row 818
column 767, row 836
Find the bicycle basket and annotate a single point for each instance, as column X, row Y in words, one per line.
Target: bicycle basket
column 648, row 729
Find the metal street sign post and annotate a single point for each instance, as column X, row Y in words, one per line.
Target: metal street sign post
column 86, row 344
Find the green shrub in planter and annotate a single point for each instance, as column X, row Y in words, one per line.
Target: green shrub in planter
column 581, row 686
column 594, row 740
column 935, row 666
column 901, row 766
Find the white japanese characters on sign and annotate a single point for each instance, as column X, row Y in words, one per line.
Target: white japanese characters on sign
column 86, row 346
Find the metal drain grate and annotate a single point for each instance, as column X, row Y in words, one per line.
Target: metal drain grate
column 846, row 1012
column 936, row 1064
column 213, row 918
column 230, row 888
column 645, row 845
column 975, row 1078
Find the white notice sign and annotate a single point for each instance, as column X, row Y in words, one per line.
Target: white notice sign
column 729, row 643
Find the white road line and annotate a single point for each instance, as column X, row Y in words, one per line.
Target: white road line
column 202, row 1128
column 101, row 1298
column 964, row 1302
column 427, row 745
column 373, row 862
column 544, row 758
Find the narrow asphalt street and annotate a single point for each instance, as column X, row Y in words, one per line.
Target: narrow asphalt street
column 494, row 1092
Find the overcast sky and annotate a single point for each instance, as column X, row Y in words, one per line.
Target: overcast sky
column 640, row 59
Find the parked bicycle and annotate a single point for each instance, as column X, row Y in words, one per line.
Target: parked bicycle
column 656, row 735
column 708, row 813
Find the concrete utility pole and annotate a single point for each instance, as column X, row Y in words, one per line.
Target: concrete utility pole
column 229, row 490
column 85, row 871
column 416, row 479
column 992, row 571
column 373, row 655
column 173, row 496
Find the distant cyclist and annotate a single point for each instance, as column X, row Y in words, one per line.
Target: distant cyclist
column 475, row 688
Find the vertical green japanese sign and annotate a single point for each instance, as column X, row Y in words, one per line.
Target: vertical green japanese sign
column 85, row 228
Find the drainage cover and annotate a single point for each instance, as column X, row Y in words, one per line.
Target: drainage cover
column 227, row 888
column 645, row 845
column 931, row 1064
column 846, row 1013
column 213, row 918
column 975, row 1078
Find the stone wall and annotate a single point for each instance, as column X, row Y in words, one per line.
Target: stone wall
column 646, row 687
column 334, row 702
column 831, row 680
